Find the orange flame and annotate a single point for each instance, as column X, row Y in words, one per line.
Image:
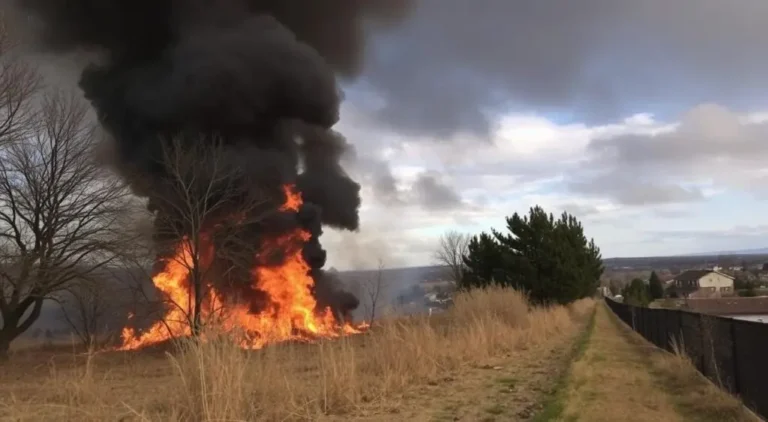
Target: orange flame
column 291, row 314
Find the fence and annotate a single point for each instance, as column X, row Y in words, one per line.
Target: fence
column 730, row 352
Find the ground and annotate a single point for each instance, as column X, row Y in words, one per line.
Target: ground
column 620, row 376
column 507, row 388
column 491, row 357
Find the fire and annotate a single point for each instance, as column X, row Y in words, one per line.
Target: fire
column 293, row 199
column 292, row 312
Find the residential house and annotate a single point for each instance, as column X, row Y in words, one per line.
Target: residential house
column 703, row 283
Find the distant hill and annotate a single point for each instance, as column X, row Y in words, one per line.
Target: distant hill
column 761, row 251
column 682, row 262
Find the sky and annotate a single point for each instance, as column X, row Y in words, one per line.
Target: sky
column 647, row 120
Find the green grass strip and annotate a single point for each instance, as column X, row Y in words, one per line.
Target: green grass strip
column 554, row 405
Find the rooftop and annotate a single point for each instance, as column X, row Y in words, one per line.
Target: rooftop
column 728, row 306
column 695, row 275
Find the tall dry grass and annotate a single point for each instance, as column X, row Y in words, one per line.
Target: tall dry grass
column 218, row 381
column 694, row 394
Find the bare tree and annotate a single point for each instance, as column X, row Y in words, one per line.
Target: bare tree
column 205, row 201
column 451, row 252
column 95, row 308
column 134, row 270
column 89, row 308
column 373, row 288
column 19, row 82
column 58, row 213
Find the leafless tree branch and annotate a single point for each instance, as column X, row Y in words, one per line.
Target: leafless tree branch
column 204, row 202
column 19, row 82
column 373, row 288
column 59, row 213
column 451, row 251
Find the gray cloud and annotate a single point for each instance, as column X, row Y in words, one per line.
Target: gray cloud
column 454, row 61
column 737, row 235
column 671, row 213
column 383, row 183
column 705, row 132
column 581, row 211
column 428, row 191
column 710, row 145
column 433, row 194
column 633, row 192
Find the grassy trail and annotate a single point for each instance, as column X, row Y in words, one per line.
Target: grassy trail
column 509, row 387
column 622, row 377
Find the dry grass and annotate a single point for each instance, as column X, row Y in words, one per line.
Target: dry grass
column 623, row 377
column 345, row 378
column 694, row 395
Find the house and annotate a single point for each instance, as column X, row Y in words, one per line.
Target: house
column 703, row 283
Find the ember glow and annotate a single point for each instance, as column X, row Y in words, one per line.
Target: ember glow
column 292, row 312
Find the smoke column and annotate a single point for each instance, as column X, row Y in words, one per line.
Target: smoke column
column 259, row 74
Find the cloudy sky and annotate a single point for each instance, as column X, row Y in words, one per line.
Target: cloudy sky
column 647, row 119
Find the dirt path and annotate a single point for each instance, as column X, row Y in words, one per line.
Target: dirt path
column 511, row 388
column 621, row 377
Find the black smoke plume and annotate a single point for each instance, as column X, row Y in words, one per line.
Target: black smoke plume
column 258, row 75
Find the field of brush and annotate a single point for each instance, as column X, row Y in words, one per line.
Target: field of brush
column 490, row 357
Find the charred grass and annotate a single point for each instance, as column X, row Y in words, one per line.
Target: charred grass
column 364, row 376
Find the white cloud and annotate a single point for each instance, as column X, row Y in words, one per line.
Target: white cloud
column 626, row 181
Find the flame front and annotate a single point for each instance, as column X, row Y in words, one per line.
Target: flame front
column 291, row 314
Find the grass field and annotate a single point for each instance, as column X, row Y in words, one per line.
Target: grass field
column 488, row 357
column 622, row 377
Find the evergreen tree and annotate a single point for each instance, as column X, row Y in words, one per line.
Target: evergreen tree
column 549, row 259
column 748, row 290
column 637, row 293
column 655, row 287
column 484, row 263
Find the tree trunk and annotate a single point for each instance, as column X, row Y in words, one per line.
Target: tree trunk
column 14, row 326
column 196, row 313
column 5, row 345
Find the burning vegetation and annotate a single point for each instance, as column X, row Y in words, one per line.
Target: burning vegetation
column 221, row 115
column 291, row 314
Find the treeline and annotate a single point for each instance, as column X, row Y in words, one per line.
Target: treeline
column 640, row 293
column 549, row 258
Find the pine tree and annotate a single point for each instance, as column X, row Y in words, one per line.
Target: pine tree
column 549, row 259
column 637, row 293
column 655, row 287
column 484, row 263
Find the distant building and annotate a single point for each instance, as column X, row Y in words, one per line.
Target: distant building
column 703, row 283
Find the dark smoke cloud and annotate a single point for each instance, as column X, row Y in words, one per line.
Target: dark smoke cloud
column 454, row 62
column 260, row 75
